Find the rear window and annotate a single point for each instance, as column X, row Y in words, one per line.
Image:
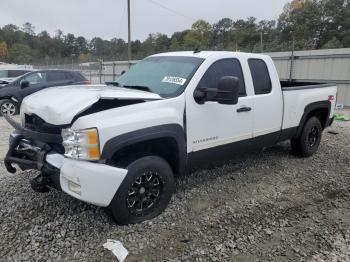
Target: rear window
column 58, row 76
column 261, row 76
column 78, row 76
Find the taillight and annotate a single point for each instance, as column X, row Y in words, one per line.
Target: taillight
column 87, row 82
column 330, row 98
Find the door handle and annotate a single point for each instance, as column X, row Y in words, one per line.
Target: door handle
column 244, row 109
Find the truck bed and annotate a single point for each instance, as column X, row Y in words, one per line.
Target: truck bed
column 298, row 95
column 299, row 85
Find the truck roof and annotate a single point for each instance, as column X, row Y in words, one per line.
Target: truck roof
column 207, row 54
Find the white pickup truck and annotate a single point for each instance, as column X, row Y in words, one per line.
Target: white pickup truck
column 120, row 146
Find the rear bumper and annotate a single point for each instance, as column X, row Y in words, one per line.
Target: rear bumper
column 90, row 182
column 330, row 122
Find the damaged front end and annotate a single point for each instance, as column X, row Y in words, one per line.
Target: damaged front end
column 39, row 146
column 35, row 150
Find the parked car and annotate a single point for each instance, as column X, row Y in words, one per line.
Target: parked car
column 8, row 75
column 121, row 146
column 12, row 95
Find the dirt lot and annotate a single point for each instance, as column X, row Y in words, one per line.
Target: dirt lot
column 266, row 206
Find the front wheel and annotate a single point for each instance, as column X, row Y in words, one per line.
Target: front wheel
column 309, row 140
column 145, row 191
column 8, row 107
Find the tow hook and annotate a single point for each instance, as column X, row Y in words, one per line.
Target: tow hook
column 40, row 184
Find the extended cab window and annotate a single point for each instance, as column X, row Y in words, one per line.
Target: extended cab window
column 261, row 76
column 221, row 68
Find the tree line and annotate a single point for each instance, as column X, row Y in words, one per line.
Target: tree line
column 303, row 24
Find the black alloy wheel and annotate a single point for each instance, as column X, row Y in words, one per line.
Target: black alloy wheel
column 144, row 194
column 145, row 191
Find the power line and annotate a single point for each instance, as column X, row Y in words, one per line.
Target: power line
column 172, row 10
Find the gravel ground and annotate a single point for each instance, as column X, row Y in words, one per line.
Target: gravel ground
column 5, row 130
column 266, row 206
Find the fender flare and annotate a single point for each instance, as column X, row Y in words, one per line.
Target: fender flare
column 174, row 131
column 311, row 107
column 12, row 98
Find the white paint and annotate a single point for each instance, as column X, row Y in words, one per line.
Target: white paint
column 214, row 120
column 118, row 121
column 268, row 108
column 295, row 102
column 59, row 105
column 98, row 182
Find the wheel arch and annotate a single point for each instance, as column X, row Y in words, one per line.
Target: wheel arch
column 15, row 103
column 166, row 141
column 319, row 109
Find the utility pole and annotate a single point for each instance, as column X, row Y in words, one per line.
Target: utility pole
column 261, row 42
column 129, row 34
column 292, row 61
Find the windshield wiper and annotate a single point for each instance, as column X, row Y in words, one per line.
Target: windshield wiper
column 142, row 88
column 112, row 83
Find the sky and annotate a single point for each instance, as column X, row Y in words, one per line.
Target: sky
column 108, row 18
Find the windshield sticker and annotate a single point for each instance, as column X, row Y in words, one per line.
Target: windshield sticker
column 174, row 80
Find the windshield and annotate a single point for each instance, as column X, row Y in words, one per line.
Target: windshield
column 167, row 76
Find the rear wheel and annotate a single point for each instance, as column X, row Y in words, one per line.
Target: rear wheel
column 145, row 191
column 8, row 107
column 309, row 140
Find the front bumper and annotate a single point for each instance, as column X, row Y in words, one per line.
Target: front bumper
column 90, row 182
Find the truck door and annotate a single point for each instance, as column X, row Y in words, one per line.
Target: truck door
column 213, row 129
column 268, row 102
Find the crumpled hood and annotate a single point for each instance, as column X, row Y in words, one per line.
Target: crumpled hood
column 59, row 105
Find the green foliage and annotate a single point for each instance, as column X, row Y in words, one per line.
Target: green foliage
column 199, row 36
column 313, row 23
column 20, row 54
column 310, row 24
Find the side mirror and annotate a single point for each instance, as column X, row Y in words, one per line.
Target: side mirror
column 226, row 93
column 25, row 84
column 228, row 90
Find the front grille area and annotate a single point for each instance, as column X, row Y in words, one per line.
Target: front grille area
column 35, row 123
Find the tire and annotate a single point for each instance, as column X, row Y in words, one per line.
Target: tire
column 8, row 107
column 145, row 192
column 308, row 142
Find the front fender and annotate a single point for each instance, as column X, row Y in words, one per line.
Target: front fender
column 173, row 131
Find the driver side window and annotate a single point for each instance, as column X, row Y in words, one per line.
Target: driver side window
column 221, row 68
column 36, row 78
